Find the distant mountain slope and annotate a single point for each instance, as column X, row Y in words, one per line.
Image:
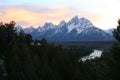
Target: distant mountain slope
column 77, row 29
column 109, row 31
column 29, row 30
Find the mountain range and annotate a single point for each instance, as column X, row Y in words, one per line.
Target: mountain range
column 77, row 29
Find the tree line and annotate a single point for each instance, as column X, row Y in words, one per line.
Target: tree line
column 22, row 60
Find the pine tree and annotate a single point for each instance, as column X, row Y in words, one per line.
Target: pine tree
column 21, row 37
column 116, row 53
column 116, row 32
column 28, row 39
column 116, row 47
column 44, row 41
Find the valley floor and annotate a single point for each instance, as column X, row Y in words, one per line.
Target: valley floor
column 100, row 45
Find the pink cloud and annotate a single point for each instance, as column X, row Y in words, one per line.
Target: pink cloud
column 27, row 17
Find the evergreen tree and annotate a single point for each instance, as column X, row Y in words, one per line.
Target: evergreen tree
column 43, row 41
column 116, row 32
column 21, row 37
column 116, row 53
column 116, row 47
column 10, row 33
column 28, row 39
column 51, row 62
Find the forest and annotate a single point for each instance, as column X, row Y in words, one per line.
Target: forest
column 22, row 58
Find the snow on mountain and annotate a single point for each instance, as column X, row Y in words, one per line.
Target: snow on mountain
column 77, row 29
column 62, row 23
column 79, row 24
column 109, row 31
column 74, row 20
column 45, row 31
column 18, row 28
column 49, row 26
column 46, row 26
column 29, row 29
column 93, row 33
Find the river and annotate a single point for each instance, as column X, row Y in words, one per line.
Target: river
column 93, row 55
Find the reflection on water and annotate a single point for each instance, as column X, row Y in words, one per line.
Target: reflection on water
column 93, row 55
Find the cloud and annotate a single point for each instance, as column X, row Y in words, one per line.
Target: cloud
column 102, row 13
column 34, row 16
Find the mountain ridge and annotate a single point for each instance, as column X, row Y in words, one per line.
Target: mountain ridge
column 77, row 29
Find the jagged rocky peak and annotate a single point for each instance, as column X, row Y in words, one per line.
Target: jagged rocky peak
column 62, row 23
column 49, row 25
column 77, row 29
column 79, row 23
column 28, row 30
column 74, row 20
column 39, row 27
column 85, row 20
column 18, row 28
column 31, row 27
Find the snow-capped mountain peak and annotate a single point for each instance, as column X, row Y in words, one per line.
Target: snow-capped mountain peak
column 28, row 30
column 74, row 20
column 46, row 26
column 62, row 23
column 85, row 22
column 79, row 24
column 18, row 28
column 83, row 19
column 49, row 25
column 77, row 29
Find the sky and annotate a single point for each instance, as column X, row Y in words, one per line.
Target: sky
column 103, row 14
